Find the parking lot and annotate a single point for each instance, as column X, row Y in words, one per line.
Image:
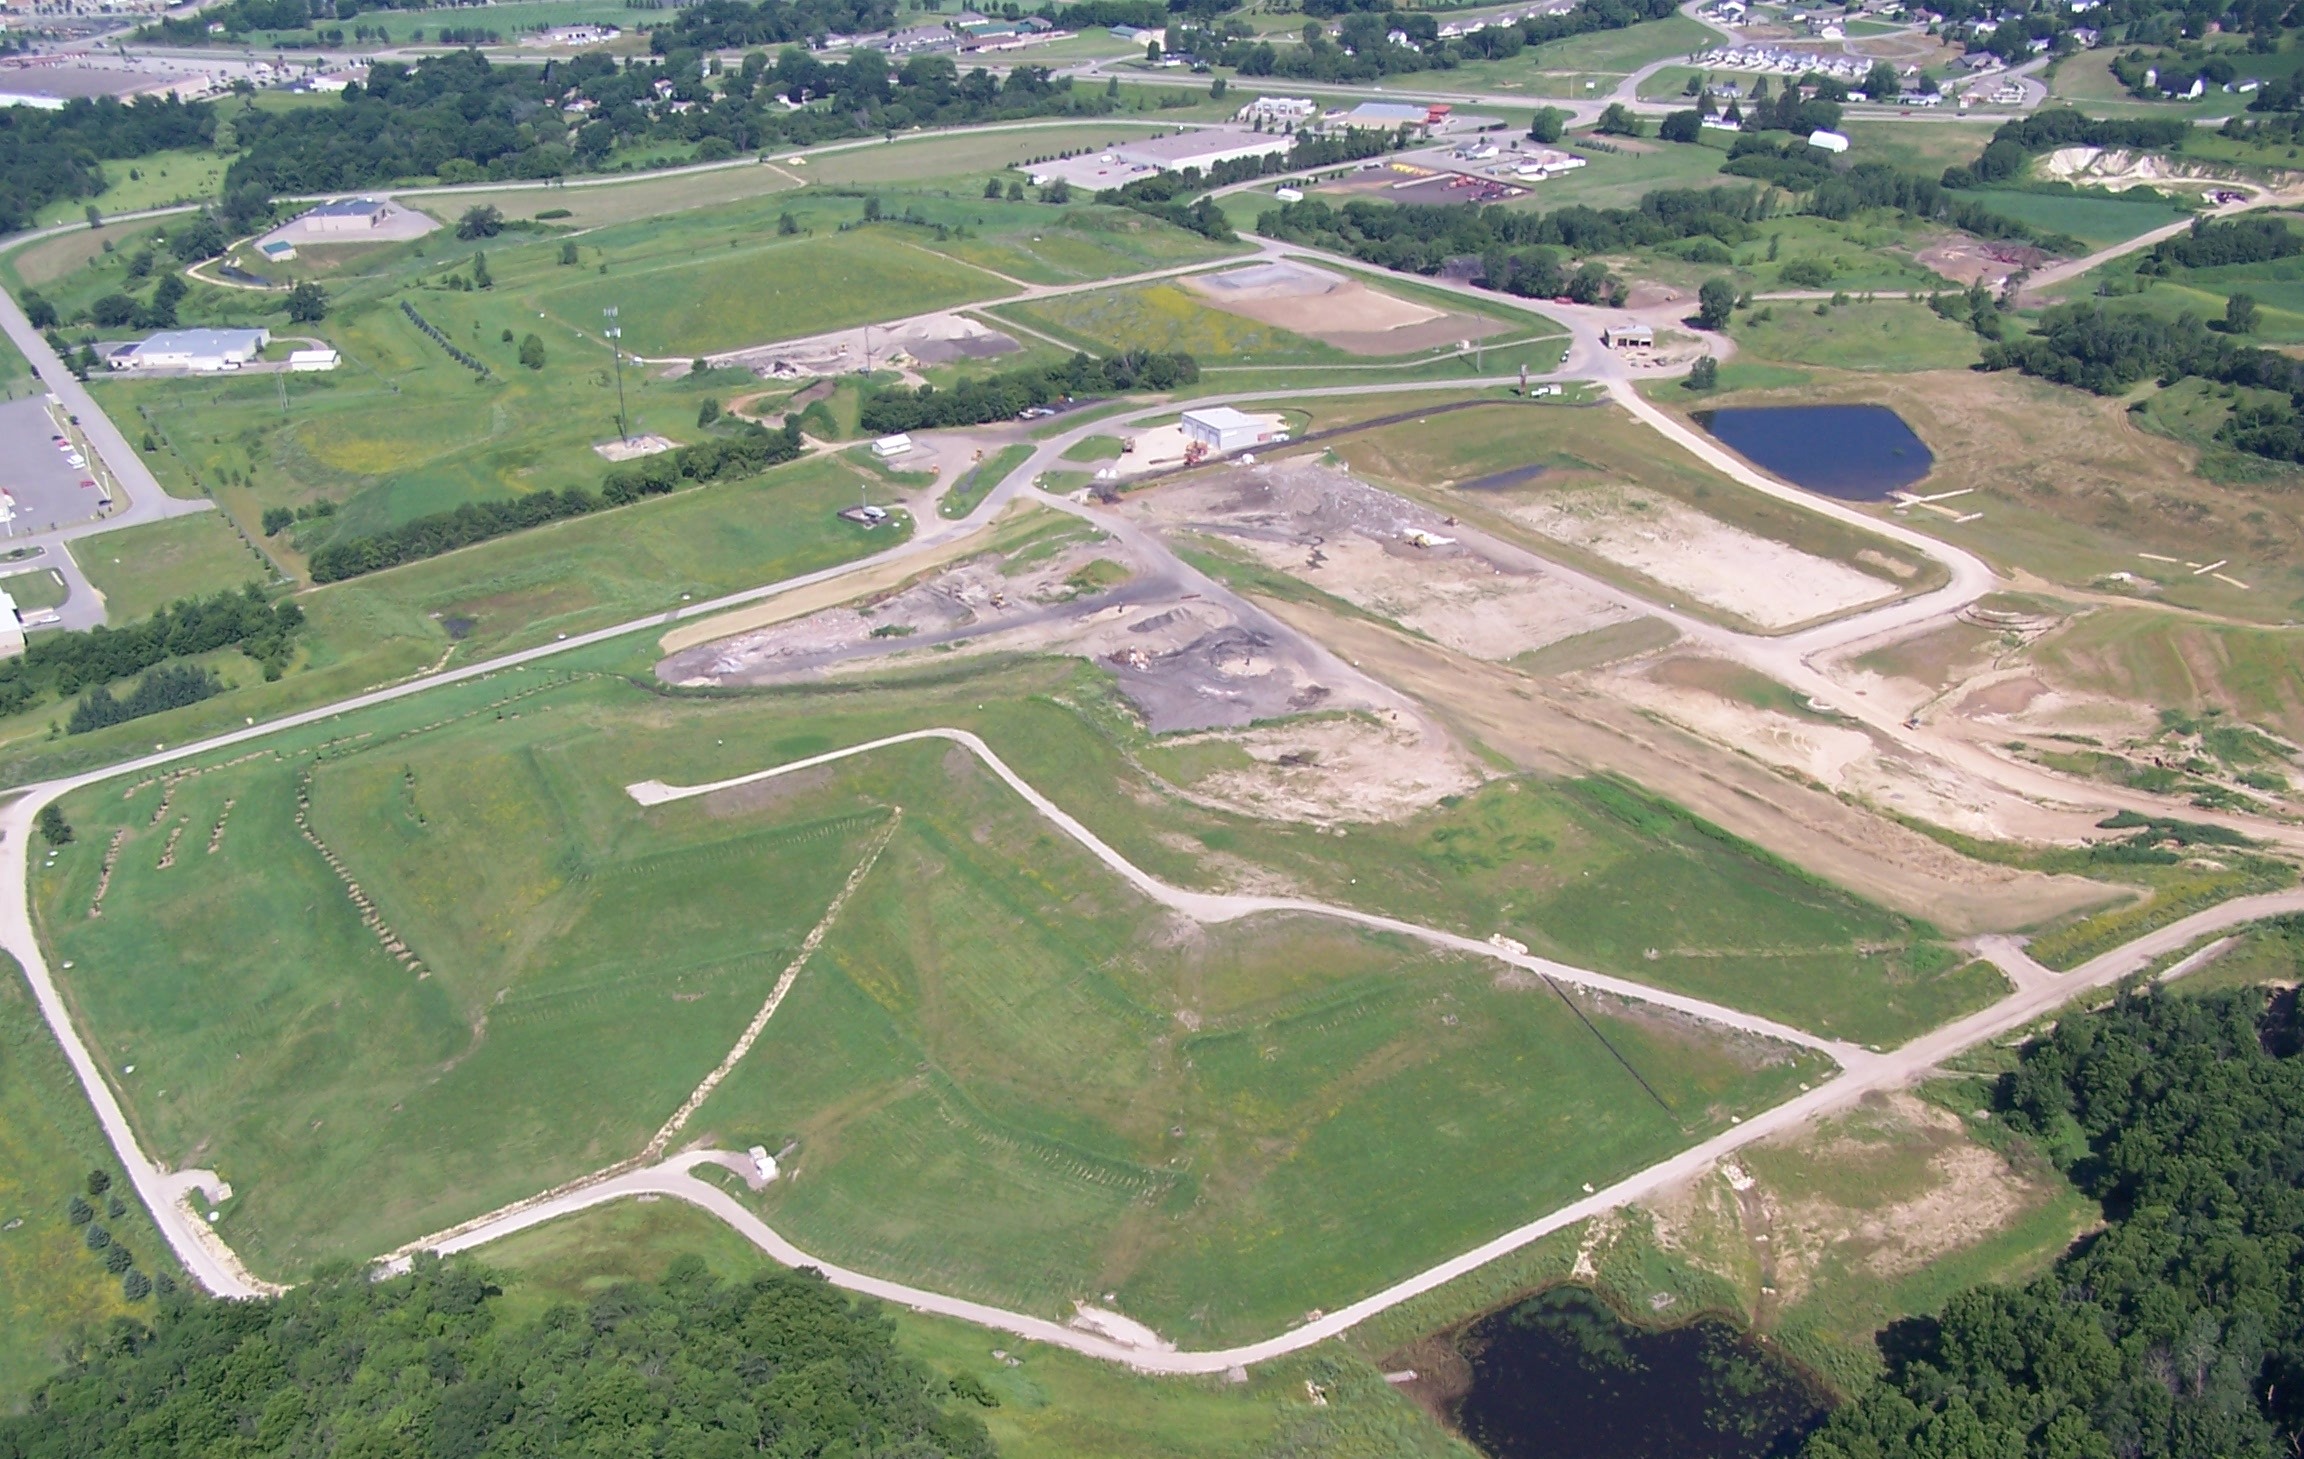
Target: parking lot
column 43, row 486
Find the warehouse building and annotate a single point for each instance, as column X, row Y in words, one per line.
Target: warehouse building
column 1222, row 430
column 198, row 350
column 1128, row 161
column 345, row 215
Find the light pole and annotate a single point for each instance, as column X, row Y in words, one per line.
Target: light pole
column 614, row 333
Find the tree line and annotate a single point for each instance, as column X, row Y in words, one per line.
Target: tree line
column 68, row 662
column 746, row 451
column 1012, row 392
column 1519, row 252
column 2176, row 1331
column 430, row 1364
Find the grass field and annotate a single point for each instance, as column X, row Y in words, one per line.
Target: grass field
column 138, row 569
column 2168, row 662
column 983, row 1074
column 1623, row 50
column 1929, row 148
column 1891, row 335
column 1167, row 316
column 2093, row 220
column 154, row 181
column 677, row 304
column 16, row 376
column 54, row 1291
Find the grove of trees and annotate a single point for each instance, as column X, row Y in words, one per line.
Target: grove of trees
column 428, row 1364
column 2177, row 1330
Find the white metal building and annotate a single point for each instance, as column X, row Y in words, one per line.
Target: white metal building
column 345, row 215
column 11, row 627
column 195, row 349
column 1222, row 429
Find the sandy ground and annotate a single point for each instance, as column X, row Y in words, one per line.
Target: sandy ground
column 1335, row 310
column 1763, row 582
column 1345, row 537
column 935, row 339
column 1736, row 1220
column 1570, row 727
column 1337, row 768
column 1839, row 755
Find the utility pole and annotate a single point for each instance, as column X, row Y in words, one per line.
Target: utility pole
column 614, row 334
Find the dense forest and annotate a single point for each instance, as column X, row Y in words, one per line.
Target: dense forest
column 2177, row 1332
column 1006, row 395
column 49, row 155
column 425, row 1366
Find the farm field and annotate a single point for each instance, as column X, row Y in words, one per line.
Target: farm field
column 54, row 1291
column 502, row 852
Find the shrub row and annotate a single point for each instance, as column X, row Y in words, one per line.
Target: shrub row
column 468, row 361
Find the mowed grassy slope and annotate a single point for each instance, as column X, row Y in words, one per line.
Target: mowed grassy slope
column 986, row 1062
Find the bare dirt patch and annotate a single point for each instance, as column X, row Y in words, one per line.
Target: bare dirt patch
column 907, row 347
column 1764, row 582
column 1966, row 260
column 1336, row 768
column 1570, row 725
column 764, row 795
column 632, row 448
column 1335, row 310
column 1385, row 554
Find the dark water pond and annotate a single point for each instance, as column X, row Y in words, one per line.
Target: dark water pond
column 1560, row 1376
column 1503, row 480
column 1858, row 453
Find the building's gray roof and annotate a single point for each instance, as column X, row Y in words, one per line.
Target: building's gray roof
column 202, row 341
column 348, row 208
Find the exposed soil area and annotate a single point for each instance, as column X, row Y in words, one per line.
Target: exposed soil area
column 1335, row 310
column 1573, row 726
column 1761, row 581
column 1383, row 553
column 935, row 339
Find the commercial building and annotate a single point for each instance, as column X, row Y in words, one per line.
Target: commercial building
column 1128, row 161
column 1374, row 115
column 198, row 350
column 1637, row 338
column 345, row 215
column 50, row 85
column 887, row 448
column 306, row 361
column 11, row 627
column 1283, row 111
column 1222, row 429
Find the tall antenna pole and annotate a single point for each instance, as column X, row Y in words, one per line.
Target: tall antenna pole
column 614, row 333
